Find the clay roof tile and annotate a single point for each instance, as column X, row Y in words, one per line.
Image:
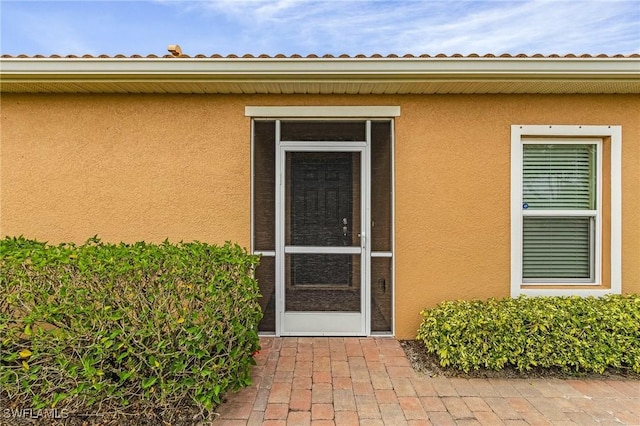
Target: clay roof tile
column 330, row 56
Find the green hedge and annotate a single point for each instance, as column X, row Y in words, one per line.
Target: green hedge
column 119, row 325
column 569, row 333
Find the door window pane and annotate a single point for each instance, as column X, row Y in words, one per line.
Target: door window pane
column 322, row 282
column 322, row 199
column 328, row 270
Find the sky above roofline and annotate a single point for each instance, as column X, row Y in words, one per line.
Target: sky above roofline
column 320, row 27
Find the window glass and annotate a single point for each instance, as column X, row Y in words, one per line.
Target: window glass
column 557, row 247
column 559, row 176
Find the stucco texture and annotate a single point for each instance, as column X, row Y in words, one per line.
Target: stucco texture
column 150, row 167
column 127, row 168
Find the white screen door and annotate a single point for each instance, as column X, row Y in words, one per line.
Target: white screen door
column 321, row 243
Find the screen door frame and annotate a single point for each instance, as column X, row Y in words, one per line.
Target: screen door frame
column 322, row 323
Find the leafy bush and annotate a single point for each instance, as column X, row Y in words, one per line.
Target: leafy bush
column 144, row 325
column 570, row 333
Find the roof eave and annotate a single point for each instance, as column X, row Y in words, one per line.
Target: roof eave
column 407, row 71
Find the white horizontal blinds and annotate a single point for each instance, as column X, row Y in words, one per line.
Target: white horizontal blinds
column 558, row 179
column 560, row 176
column 557, row 247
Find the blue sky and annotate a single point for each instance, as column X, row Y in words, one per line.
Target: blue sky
column 319, row 27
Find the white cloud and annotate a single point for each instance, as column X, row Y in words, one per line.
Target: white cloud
column 432, row 27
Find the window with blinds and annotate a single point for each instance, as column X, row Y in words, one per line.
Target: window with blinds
column 559, row 208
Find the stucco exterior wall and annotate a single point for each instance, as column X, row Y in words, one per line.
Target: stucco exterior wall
column 453, row 216
column 150, row 167
column 127, row 168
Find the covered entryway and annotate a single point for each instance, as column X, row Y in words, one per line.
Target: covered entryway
column 322, row 221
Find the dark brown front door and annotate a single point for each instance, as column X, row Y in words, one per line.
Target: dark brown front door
column 321, row 216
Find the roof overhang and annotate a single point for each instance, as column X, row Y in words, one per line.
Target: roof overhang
column 290, row 75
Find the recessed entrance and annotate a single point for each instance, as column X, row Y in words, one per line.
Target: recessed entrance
column 322, row 222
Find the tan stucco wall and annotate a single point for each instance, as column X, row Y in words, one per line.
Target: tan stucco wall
column 150, row 167
column 126, row 168
column 453, row 218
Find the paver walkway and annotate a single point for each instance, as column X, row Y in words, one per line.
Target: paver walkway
column 369, row 381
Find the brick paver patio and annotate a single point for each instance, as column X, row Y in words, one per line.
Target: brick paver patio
column 369, row 381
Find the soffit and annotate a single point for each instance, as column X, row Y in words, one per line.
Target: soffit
column 326, row 75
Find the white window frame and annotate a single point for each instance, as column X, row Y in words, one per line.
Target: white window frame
column 523, row 134
column 595, row 261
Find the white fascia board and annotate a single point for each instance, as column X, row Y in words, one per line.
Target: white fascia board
column 303, row 69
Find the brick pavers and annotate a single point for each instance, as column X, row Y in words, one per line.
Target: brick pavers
column 368, row 381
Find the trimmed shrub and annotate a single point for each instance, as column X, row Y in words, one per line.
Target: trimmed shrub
column 124, row 325
column 569, row 333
